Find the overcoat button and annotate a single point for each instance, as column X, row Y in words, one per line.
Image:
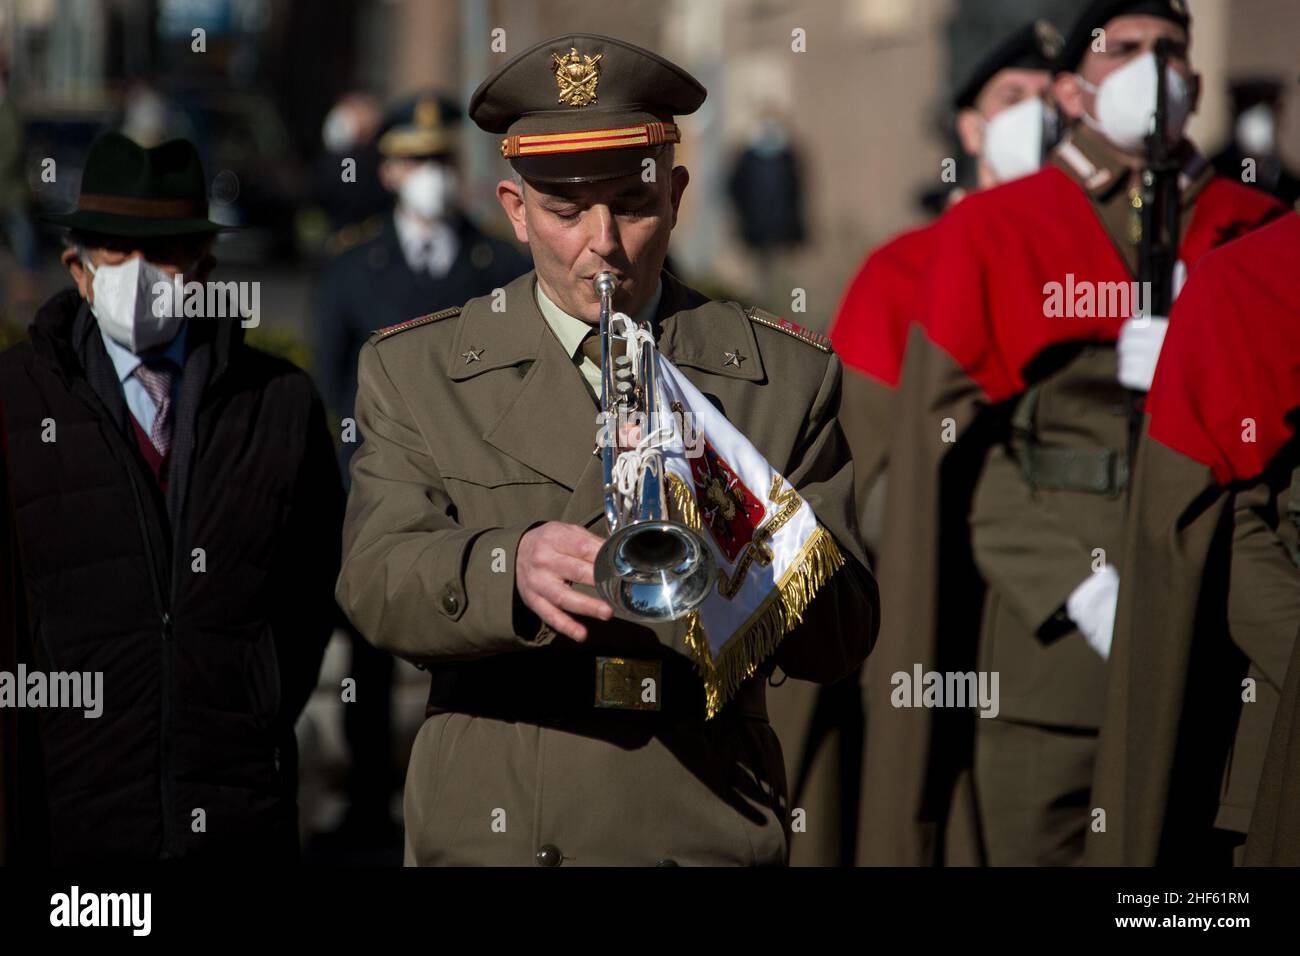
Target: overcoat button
column 450, row 602
column 549, row 855
column 666, row 863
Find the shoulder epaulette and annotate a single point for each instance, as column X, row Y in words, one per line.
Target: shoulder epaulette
column 807, row 336
column 384, row 333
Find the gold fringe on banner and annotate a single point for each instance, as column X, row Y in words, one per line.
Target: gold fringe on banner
column 758, row 638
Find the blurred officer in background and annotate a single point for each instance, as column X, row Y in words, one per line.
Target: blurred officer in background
column 422, row 256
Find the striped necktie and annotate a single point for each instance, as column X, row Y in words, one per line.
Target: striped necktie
column 157, row 377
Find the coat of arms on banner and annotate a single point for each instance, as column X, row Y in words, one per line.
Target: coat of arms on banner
column 772, row 554
column 730, row 511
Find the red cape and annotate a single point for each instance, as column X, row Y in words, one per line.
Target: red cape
column 1233, row 353
column 870, row 328
column 1012, row 244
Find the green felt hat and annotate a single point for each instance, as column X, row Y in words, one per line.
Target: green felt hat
column 127, row 190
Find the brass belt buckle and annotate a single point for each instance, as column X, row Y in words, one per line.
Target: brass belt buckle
column 628, row 684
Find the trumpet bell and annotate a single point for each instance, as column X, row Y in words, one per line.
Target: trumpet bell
column 655, row 570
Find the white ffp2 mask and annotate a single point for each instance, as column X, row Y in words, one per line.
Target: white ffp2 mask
column 1013, row 140
column 1257, row 130
column 1126, row 103
column 428, row 190
column 126, row 307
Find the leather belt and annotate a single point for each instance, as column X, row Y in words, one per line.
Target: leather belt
column 1094, row 471
column 541, row 687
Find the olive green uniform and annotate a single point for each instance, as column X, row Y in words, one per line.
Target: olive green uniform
column 1203, row 666
column 478, row 426
column 1049, row 510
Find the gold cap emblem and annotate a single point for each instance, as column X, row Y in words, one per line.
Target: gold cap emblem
column 1178, row 7
column 1049, row 39
column 427, row 114
column 577, row 75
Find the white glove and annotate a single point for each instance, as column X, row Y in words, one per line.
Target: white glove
column 1139, row 344
column 1092, row 608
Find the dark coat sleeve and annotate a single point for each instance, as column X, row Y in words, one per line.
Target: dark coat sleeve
column 1264, row 600
column 306, row 613
column 24, row 821
column 333, row 339
column 10, row 589
column 840, row 625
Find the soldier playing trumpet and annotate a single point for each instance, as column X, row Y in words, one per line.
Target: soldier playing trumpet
column 558, row 732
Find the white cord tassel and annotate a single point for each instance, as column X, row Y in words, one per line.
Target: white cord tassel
column 632, row 464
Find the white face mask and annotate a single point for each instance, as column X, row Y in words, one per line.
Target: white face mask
column 1126, row 103
column 339, row 131
column 428, row 190
column 125, row 305
column 1257, row 130
column 1013, row 140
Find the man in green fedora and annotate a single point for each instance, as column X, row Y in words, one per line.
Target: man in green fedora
column 178, row 511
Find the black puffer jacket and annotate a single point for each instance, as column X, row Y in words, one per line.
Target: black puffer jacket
column 204, row 670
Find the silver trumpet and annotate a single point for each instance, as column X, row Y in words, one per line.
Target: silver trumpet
column 651, row 568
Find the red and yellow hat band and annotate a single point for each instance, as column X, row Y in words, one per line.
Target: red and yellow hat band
column 622, row 137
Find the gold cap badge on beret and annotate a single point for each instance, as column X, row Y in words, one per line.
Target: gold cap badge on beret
column 606, row 107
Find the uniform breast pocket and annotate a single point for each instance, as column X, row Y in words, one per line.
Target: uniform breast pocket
column 502, row 491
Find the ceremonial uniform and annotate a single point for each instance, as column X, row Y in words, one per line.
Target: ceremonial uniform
column 1205, row 636
column 870, row 334
column 479, row 426
column 873, row 321
column 1013, row 425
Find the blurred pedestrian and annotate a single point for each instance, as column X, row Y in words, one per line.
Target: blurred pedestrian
column 766, row 188
column 15, row 219
column 349, row 136
column 1251, row 156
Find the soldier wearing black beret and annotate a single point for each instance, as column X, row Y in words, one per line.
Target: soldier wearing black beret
column 1031, row 480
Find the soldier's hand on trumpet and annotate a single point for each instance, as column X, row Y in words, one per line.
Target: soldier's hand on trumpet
column 550, row 557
